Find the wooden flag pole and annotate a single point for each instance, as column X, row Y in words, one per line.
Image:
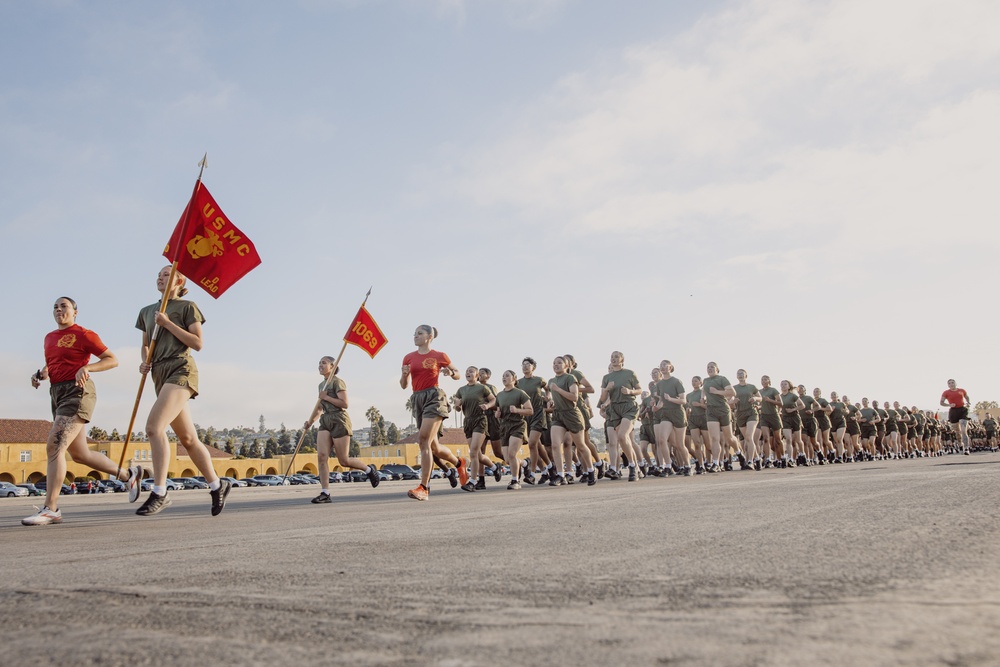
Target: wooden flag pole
column 319, row 403
column 163, row 308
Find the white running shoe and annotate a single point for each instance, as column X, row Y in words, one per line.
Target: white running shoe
column 43, row 517
column 134, row 483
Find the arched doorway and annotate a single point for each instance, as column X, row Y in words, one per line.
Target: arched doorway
column 96, row 475
column 231, row 473
column 271, row 471
column 251, row 472
column 7, row 477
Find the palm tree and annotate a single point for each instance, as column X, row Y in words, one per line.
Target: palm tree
column 373, row 416
column 409, row 408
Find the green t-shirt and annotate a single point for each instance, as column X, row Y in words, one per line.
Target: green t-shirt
column 839, row 411
column 744, row 392
column 582, row 400
column 622, row 378
column 566, row 382
column 805, row 413
column 788, row 402
column 853, row 411
column 509, row 398
column 695, row 410
column 990, row 424
column 534, row 387
column 820, row 413
column 673, row 387
column 333, row 389
column 183, row 314
column 769, row 408
column 472, row 396
column 867, row 415
column 715, row 400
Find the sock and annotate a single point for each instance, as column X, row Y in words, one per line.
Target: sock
column 214, row 486
column 325, row 492
column 160, row 490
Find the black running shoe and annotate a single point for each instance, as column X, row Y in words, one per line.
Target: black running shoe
column 600, row 470
column 481, row 484
column 321, row 499
column 153, row 505
column 544, row 477
column 728, row 465
column 631, row 474
column 497, row 472
column 373, row 476
column 687, row 471
column 452, row 477
column 554, row 480
column 529, row 477
column 469, row 486
column 742, row 459
column 568, row 479
column 219, row 496
column 591, row 478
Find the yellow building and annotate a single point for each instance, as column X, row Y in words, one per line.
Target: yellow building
column 23, row 459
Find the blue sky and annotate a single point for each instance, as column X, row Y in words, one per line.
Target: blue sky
column 797, row 188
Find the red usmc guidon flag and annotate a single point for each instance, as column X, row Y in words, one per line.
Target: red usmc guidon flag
column 208, row 248
column 365, row 333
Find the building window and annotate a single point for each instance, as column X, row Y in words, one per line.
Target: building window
column 399, row 452
column 25, row 456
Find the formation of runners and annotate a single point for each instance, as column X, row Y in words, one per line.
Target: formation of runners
column 680, row 432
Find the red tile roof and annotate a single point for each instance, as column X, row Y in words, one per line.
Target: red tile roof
column 24, row 430
column 215, row 452
column 452, row 436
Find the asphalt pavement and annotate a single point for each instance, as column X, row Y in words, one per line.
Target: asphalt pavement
column 880, row 563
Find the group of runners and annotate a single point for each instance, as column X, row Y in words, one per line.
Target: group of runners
column 680, row 432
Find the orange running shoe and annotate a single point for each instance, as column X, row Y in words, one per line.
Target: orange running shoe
column 463, row 471
column 419, row 493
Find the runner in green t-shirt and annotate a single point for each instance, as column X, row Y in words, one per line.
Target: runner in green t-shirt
column 810, row 428
column 822, row 412
column 618, row 391
column 747, row 415
column 567, row 424
column 586, row 389
column 671, row 428
column 698, row 425
column 492, row 425
column 838, row 425
column 474, row 400
column 512, row 406
column 792, row 425
column 770, row 423
column 538, row 424
column 717, row 391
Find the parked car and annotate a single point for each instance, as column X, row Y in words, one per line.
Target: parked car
column 404, row 471
column 32, row 489
column 147, row 485
column 300, row 480
column 233, row 481
column 190, row 483
column 66, row 488
column 336, row 478
column 272, row 480
column 250, row 481
column 8, row 490
column 355, row 476
column 110, row 486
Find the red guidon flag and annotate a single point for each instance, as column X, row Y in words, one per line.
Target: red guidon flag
column 208, row 248
column 365, row 333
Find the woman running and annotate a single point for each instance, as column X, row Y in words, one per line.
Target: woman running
column 176, row 331
column 586, row 389
column 958, row 402
column 698, row 429
column 822, row 413
column 430, row 406
column 334, row 430
column 853, row 449
column 747, row 415
column 493, row 425
column 838, row 425
column 538, row 424
column 618, row 391
column 791, row 421
column 717, row 391
column 868, row 418
column 474, row 400
column 68, row 351
column 770, row 422
column 512, row 406
column 567, row 421
column 670, row 421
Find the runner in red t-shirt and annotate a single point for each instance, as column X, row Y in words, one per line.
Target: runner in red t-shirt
column 430, row 405
column 957, row 401
column 68, row 351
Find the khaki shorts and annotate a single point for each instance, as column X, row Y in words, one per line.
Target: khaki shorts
column 68, row 400
column 180, row 371
column 430, row 403
column 339, row 426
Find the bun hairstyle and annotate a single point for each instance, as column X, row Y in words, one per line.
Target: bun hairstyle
column 71, row 302
column 670, row 366
column 512, row 373
column 570, row 360
column 331, row 361
column 486, row 370
column 429, row 329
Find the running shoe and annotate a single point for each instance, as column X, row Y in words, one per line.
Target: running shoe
column 687, row 471
column 568, row 479
column 514, row 485
column 600, row 469
column 452, row 476
column 155, row 504
column 544, row 477
column 529, row 477
column 591, row 478
column 699, row 469
column 373, row 476
column 497, row 472
column 43, row 517
column 321, row 499
column 757, row 464
column 219, row 496
column 728, row 465
column 742, row 459
column 554, row 480
column 463, row 471
column 134, row 483
column 469, row 486
column 419, row 493
column 631, row 474
column 481, row 484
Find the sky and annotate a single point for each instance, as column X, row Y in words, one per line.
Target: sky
column 797, row 188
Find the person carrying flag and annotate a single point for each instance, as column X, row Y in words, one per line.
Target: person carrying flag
column 176, row 332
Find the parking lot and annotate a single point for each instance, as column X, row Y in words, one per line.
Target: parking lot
column 884, row 563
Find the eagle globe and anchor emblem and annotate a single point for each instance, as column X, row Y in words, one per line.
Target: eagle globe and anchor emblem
column 204, row 246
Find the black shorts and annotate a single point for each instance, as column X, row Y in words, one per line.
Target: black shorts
column 492, row 426
column 538, row 422
column 510, row 430
column 475, row 425
column 718, row 414
column 698, row 421
column 772, row 422
column 646, row 431
column 743, row 417
column 809, row 427
column 853, row 427
column 956, row 415
column 791, row 422
column 868, row 431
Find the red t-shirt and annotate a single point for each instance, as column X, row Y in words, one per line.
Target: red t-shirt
column 955, row 398
column 424, row 368
column 68, row 350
